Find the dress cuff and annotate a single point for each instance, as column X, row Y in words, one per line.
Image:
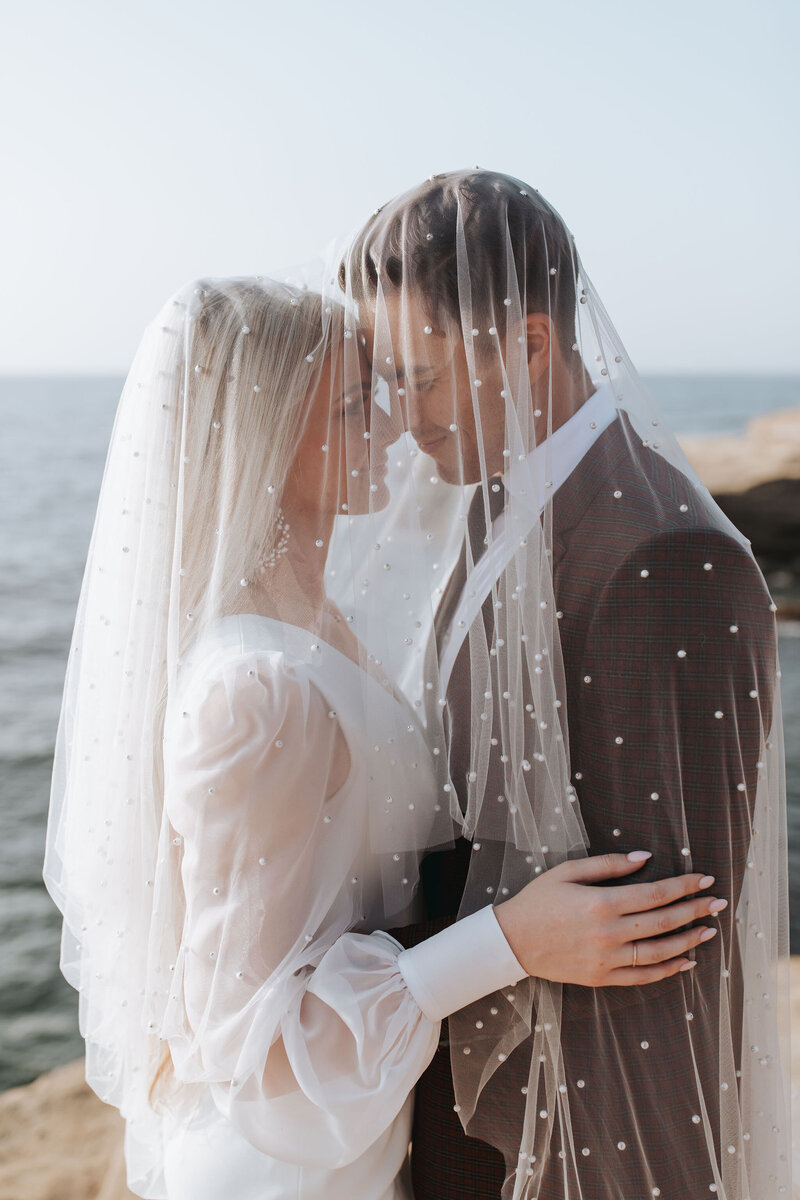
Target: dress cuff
column 466, row 961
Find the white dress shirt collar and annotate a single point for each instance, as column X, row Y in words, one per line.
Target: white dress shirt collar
column 539, row 476
column 546, row 467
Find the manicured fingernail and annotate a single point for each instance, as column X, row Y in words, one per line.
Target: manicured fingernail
column 707, row 935
column 717, row 905
column 688, row 966
column 639, row 856
column 706, row 881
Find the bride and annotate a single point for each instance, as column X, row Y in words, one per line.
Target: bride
column 242, row 793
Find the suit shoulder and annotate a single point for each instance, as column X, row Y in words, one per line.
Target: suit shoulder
column 695, row 575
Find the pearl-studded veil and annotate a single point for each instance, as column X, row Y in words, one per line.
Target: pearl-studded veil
column 384, row 566
column 238, row 778
column 603, row 670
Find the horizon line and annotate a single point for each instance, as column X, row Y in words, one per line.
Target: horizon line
column 664, row 372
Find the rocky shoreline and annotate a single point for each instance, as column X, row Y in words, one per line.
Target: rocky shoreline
column 755, row 479
column 59, row 1142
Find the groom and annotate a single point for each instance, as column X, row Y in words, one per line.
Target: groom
column 703, row 589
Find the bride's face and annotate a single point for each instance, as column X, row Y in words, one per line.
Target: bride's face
column 341, row 459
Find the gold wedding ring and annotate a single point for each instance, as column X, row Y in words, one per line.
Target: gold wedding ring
column 635, row 954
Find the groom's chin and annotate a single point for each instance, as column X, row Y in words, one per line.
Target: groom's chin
column 456, row 462
column 448, row 474
column 452, row 472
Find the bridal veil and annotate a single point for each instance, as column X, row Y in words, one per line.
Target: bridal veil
column 457, row 406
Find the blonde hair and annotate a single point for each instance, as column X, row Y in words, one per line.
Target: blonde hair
column 246, row 402
column 251, row 353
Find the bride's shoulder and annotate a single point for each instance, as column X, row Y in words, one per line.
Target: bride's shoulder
column 239, row 684
column 240, row 651
column 248, row 704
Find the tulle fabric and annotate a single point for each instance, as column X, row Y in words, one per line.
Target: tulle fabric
column 604, row 667
column 422, row 524
column 242, row 792
column 306, row 1030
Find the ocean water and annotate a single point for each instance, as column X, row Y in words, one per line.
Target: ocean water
column 55, row 434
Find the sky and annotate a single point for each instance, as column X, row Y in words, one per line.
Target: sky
column 146, row 144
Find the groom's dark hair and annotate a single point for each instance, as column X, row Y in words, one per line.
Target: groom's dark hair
column 413, row 242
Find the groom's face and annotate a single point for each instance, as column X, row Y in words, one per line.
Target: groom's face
column 430, row 381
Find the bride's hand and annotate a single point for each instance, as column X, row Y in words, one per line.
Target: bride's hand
column 563, row 929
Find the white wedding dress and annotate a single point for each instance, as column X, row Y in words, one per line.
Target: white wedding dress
column 273, row 862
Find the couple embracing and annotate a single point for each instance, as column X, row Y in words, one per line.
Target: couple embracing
column 418, row 781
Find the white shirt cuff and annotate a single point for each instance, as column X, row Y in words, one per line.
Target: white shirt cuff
column 459, row 965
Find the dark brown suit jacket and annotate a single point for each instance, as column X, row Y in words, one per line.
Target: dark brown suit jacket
column 621, row 631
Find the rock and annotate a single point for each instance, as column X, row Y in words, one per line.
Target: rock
column 755, row 479
column 59, row 1142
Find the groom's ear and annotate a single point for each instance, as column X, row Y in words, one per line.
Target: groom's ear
column 539, row 343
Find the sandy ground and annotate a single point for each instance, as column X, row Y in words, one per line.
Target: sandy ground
column 59, row 1142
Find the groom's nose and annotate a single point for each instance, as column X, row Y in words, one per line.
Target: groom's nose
column 423, row 421
column 413, row 409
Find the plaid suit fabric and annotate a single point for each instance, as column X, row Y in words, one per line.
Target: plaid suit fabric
column 671, row 671
column 638, row 580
